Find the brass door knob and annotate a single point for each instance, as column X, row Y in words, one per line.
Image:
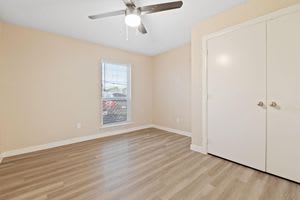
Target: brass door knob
column 261, row 104
column 273, row 104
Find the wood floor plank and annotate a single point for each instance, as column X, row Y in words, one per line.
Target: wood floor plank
column 143, row 165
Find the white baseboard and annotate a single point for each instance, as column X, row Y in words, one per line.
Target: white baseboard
column 70, row 141
column 180, row 132
column 198, row 148
column 86, row 138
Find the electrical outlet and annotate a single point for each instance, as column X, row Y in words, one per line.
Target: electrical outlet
column 78, row 125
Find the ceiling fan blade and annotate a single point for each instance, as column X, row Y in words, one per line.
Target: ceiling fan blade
column 142, row 29
column 129, row 3
column 108, row 14
column 161, row 7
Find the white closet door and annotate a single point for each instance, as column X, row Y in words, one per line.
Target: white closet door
column 283, row 135
column 236, row 84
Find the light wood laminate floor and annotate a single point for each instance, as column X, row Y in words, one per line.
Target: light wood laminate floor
column 148, row 164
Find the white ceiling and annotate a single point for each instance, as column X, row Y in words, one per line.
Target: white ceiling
column 166, row 30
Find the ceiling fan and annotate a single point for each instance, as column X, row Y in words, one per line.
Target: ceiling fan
column 133, row 13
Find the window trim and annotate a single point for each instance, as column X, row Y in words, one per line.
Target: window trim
column 129, row 97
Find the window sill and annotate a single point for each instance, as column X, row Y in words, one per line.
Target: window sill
column 117, row 124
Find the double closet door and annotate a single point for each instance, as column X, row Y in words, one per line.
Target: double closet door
column 253, row 108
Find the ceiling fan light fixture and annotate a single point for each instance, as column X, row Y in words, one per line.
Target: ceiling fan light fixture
column 133, row 17
column 133, row 20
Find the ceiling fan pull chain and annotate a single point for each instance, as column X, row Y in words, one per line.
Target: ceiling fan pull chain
column 121, row 30
column 127, row 37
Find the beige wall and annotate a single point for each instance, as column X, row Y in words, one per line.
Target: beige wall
column 1, row 107
column 171, row 89
column 249, row 10
column 49, row 83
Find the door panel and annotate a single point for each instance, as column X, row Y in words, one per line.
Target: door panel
column 236, row 83
column 283, row 136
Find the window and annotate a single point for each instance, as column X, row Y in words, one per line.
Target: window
column 116, row 94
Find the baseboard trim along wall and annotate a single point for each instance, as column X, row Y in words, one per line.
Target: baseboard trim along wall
column 70, row 141
column 180, row 132
column 86, row 138
column 199, row 149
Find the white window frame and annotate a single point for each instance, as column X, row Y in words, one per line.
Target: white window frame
column 103, row 62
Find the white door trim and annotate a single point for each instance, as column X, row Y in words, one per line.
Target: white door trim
column 205, row 38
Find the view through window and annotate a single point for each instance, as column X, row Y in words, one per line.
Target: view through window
column 115, row 93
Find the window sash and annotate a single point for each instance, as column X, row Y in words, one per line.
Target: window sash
column 127, row 98
column 114, row 98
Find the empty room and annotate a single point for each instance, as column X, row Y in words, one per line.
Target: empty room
column 149, row 100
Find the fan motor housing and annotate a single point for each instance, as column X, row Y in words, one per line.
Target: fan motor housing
column 133, row 11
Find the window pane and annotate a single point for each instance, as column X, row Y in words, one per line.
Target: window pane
column 115, row 94
column 114, row 111
column 114, row 80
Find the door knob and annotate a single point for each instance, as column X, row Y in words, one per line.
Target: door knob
column 273, row 104
column 261, row 104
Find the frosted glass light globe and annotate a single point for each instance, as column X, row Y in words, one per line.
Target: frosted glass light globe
column 133, row 20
